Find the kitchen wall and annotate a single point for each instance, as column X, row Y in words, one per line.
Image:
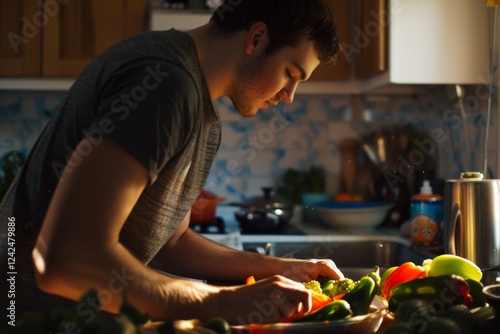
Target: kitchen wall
column 255, row 152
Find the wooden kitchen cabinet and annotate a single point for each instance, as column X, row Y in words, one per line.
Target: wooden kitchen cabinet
column 362, row 30
column 340, row 71
column 72, row 33
column 370, row 41
column 84, row 28
column 19, row 56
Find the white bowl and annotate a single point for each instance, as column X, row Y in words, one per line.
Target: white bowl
column 353, row 215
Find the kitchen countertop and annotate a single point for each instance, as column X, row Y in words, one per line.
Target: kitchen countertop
column 311, row 232
column 307, row 228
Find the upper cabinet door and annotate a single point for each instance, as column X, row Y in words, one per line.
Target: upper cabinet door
column 443, row 42
column 339, row 71
column 370, row 38
column 20, row 38
column 82, row 29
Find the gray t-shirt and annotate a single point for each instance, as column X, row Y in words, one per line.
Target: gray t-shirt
column 146, row 93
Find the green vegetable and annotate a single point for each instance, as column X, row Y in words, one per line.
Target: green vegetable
column 476, row 292
column 333, row 288
column 442, row 291
column 336, row 310
column 448, row 264
column 313, row 285
column 219, row 325
column 361, row 296
column 293, row 183
column 375, row 275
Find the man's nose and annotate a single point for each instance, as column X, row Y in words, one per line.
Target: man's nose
column 287, row 94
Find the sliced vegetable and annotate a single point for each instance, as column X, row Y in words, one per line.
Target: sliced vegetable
column 319, row 300
column 448, row 264
column 441, row 291
column 336, row 310
column 406, row 272
column 361, row 296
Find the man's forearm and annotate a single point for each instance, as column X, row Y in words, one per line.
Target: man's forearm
column 195, row 256
column 117, row 271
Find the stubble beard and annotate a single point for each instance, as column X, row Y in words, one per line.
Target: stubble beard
column 243, row 92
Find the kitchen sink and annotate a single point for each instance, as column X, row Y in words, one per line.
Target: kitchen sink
column 353, row 258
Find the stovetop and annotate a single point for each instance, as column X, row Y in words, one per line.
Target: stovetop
column 227, row 226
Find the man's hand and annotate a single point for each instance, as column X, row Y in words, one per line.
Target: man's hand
column 306, row 270
column 267, row 301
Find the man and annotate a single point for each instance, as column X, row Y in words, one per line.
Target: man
column 103, row 201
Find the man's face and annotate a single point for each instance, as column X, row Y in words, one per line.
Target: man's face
column 265, row 80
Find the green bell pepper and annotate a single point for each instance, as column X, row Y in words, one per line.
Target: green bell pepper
column 336, row 310
column 361, row 296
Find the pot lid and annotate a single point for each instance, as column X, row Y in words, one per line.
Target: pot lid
column 266, row 201
column 471, row 176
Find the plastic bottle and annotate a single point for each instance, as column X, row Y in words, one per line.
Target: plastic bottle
column 426, row 215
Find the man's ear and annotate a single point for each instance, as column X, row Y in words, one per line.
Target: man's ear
column 257, row 38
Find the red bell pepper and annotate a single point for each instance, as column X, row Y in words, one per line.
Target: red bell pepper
column 406, row 272
column 319, row 300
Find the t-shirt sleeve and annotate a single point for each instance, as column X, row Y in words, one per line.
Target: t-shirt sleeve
column 149, row 110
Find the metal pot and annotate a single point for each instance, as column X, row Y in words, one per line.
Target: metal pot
column 264, row 214
column 472, row 219
column 204, row 208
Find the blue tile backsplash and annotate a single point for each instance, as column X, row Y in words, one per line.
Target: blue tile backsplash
column 256, row 151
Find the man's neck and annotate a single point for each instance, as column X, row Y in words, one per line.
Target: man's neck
column 218, row 58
